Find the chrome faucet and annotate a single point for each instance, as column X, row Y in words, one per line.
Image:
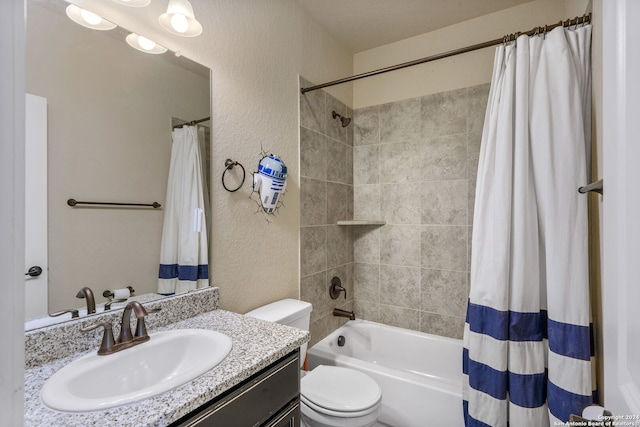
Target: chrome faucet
column 109, row 345
column 87, row 294
column 344, row 313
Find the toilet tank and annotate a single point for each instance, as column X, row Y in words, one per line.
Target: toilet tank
column 290, row 312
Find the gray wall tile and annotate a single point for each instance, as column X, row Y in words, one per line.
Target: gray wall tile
column 314, row 290
column 365, row 164
column 444, row 247
column 366, row 282
column 445, row 202
column 444, row 292
column 444, row 113
column 399, row 162
column 337, row 202
column 366, row 201
column 400, row 245
column 414, row 164
column 337, row 245
column 400, row 203
column 313, row 250
column 313, row 154
column 337, row 161
column 438, row 324
column 444, row 157
column 399, row 286
column 399, row 317
column 478, row 98
column 313, row 202
column 366, row 126
column 366, row 244
column 400, row 121
column 367, row 310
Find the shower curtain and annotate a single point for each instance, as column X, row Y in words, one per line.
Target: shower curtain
column 527, row 351
column 183, row 253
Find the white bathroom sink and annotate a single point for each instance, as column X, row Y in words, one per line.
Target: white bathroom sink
column 168, row 360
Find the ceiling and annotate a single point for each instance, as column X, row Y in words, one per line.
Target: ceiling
column 365, row 24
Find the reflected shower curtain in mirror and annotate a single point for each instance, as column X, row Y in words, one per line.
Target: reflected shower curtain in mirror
column 184, row 254
column 527, row 351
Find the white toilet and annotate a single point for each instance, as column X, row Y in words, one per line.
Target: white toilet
column 330, row 396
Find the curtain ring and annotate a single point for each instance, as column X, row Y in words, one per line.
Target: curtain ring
column 544, row 35
column 229, row 164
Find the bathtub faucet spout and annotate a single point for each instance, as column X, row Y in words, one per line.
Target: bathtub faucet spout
column 344, row 313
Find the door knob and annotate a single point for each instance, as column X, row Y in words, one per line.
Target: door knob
column 34, row 271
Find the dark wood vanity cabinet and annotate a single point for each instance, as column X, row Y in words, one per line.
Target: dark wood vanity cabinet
column 270, row 398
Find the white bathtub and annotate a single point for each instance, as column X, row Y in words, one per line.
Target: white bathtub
column 420, row 374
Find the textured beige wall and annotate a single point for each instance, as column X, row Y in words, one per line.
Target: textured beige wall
column 456, row 72
column 256, row 51
column 109, row 139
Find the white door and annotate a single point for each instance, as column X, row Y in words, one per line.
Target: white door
column 621, row 208
column 35, row 293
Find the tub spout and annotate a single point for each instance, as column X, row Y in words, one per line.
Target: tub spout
column 344, row 313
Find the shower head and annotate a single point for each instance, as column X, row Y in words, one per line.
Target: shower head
column 343, row 120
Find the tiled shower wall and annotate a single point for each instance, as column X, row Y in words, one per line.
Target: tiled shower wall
column 415, row 164
column 326, row 196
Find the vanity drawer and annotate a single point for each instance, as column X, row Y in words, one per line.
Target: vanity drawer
column 269, row 398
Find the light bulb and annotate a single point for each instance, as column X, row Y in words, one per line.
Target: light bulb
column 90, row 17
column 145, row 43
column 179, row 22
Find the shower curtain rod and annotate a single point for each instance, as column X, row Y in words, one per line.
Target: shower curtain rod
column 584, row 19
column 191, row 123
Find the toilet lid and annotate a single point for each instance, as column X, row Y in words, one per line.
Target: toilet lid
column 340, row 389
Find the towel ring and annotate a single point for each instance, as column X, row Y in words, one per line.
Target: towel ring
column 229, row 164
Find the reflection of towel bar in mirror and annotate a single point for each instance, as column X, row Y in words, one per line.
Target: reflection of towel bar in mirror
column 74, row 202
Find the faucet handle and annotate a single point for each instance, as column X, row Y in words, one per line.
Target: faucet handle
column 108, row 341
column 141, row 329
column 73, row 311
column 336, row 287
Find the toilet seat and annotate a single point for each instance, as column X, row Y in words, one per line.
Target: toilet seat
column 340, row 392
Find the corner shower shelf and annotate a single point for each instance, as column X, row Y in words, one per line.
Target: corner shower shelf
column 362, row 222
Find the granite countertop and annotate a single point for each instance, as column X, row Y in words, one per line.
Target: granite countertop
column 256, row 344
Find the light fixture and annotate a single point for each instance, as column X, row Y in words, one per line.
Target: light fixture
column 134, row 3
column 143, row 44
column 180, row 19
column 88, row 19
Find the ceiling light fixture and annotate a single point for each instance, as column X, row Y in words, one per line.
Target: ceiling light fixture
column 88, row 19
column 180, row 20
column 134, row 3
column 143, row 44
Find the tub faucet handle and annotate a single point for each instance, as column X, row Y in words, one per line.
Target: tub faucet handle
column 336, row 287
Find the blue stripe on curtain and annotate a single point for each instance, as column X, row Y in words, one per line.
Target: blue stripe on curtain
column 563, row 403
column 521, row 326
column 470, row 421
column 488, row 380
column 528, row 391
column 183, row 272
column 570, row 340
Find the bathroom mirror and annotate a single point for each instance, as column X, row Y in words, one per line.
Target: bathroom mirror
column 109, row 113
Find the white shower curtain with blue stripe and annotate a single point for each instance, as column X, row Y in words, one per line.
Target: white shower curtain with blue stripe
column 527, row 347
column 184, row 253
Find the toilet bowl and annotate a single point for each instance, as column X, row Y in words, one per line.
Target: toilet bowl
column 333, row 396
column 330, row 396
